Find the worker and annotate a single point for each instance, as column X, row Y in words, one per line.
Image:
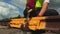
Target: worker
column 39, row 8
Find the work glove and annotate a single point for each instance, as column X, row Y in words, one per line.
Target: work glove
column 38, row 15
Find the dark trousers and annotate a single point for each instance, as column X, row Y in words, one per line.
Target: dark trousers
column 35, row 12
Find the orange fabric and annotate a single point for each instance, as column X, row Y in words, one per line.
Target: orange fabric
column 17, row 22
column 34, row 24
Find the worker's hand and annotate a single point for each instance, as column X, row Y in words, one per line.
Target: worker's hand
column 38, row 15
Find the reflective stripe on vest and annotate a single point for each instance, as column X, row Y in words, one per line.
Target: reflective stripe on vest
column 39, row 3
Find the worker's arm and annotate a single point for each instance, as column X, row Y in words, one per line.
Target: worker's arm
column 44, row 8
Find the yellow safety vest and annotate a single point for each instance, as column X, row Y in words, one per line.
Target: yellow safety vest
column 39, row 3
